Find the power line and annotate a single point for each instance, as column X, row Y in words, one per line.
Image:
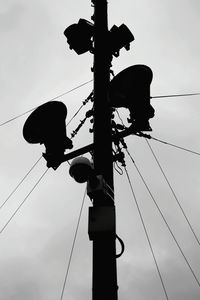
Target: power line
column 23, row 202
column 119, row 116
column 75, row 115
column 158, row 140
column 165, row 221
column 73, row 89
column 172, row 190
column 9, row 196
column 175, row 95
column 52, row 99
column 73, row 244
column 170, row 144
column 146, row 233
column 83, row 104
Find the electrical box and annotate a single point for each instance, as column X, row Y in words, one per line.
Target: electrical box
column 101, row 222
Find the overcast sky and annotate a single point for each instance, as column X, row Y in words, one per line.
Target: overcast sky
column 37, row 65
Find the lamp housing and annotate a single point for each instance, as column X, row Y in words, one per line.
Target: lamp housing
column 81, row 169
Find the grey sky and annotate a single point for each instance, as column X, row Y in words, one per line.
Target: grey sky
column 37, row 65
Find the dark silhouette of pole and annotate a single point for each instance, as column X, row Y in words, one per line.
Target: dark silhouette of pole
column 104, row 250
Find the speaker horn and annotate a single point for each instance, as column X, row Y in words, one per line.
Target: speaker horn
column 79, row 36
column 131, row 89
column 46, row 125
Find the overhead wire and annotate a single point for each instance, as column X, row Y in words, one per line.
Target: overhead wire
column 165, row 221
column 72, row 248
column 173, row 192
column 147, row 235
column 52, row 99
column 21, row 181
column 117, row 168
column 73, row 89
column 173, row 145
column 83, row 104
column 34, row 165
column 61, row 95
column 119, row 116
column 158, row 140
column 12, row 216
column 75, row 115
column 175, row 95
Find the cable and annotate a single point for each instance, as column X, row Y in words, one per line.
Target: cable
column 168, row 227
column 178, row 202
column 23, row 202
column 118, row 169
column 122, row 246
column 146, row 233
column 20, row 182
column 176, row 95
column 188, row 150
column 59, row 96
column 74, row 115
column 83, row 103
column 119, row 116
column 72, row 249
column 65, row 93
column 158, row 140
column 141, row 134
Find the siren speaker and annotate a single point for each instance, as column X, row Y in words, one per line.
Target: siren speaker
column 46, row 125
column 79, row 36
column 131, row 89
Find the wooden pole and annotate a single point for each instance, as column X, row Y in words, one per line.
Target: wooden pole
column 104, row 249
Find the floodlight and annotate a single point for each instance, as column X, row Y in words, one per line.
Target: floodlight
column 81, row 169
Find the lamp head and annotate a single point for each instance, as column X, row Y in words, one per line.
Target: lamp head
column 81, row 169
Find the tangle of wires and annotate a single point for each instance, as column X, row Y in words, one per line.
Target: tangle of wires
column 89, row 114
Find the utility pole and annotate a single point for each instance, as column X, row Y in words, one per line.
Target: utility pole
column 104, row 250
column 104, row 44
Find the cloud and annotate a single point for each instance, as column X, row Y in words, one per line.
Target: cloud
column 138, row 277
column 20, row 279
column 35, row 63
column 11, row 16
